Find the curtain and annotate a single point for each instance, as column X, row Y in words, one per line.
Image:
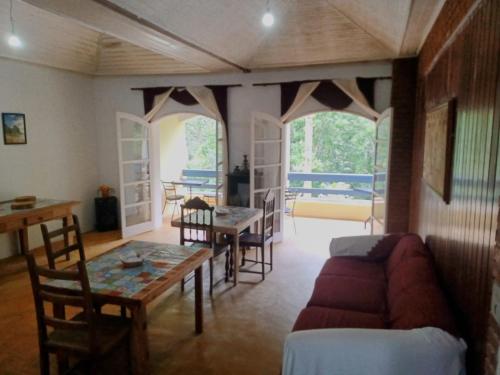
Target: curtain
column 158, row 103
column 351, row 88
column 303, row 92
column 336, row 95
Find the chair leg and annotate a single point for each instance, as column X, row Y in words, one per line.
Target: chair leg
column 226, row 266
column 231, row 262
column 211, row 264
column 271, row 254
column 44, row 362
column 182, row 285
column 243, row 254
column 173, row 210
column 263, row 261
column 164, row 206
column 123, row 311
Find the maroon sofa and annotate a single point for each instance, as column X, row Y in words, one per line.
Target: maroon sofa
column 394, row 286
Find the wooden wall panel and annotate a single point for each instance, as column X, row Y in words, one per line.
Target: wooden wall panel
column 460, row 59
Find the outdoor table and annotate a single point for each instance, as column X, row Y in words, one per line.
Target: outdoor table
column 190, row 183
column 164, row 266
column 233, row 223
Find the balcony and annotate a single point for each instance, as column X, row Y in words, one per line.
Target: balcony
column 349, row 199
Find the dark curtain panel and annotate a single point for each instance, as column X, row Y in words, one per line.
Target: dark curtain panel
column 149, row 96
column 182, row 96
column 288, row 93
column 328, row 94
column 367, row 87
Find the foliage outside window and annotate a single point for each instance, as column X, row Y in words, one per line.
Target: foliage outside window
column 341, row 143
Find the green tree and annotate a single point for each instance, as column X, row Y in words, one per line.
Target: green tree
column 201, row 142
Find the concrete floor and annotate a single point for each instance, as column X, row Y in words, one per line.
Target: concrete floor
column 244, row 329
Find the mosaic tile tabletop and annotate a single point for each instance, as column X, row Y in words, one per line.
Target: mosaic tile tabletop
column 108, row 276
column 234, row 217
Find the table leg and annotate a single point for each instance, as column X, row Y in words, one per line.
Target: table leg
column 139, row 348
column 23, row 241
column 236, row 259
column 198, row 299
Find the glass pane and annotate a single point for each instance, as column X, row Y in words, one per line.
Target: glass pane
column 220, row 151
column 259, row 199
column 267, row 177
column 383, row 128
column 137, row 214
column 135, row 172
column 266, row 130
column 135, row 150
column 132, row 129
column 137, row 193
column 277, row 227
column 267, row 153
column 380, row 182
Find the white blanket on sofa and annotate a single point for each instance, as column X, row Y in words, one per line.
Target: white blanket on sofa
column 423, row 351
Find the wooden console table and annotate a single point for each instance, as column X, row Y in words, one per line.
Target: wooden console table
column 44, row 210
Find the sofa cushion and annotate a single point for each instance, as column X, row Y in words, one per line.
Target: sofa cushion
column 408, row 246
column 315, row 317
column 422, row 305
column 349, row 293
column 409, row 273
column 347, row 266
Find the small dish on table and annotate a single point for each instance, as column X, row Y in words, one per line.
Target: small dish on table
column 220, row 211
column 132, row 260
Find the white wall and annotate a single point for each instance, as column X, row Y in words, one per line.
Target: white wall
column 114, row 94
column 60, row 159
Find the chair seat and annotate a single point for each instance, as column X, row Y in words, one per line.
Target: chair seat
column 176, row 197
column 110, row 331
column 253, row 239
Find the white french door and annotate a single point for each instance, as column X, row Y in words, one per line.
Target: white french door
column 383, row 130
column 220, row 162
column 267, row 168
column 136, row 180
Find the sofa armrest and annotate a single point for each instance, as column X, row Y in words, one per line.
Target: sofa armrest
column 353, row 245
column 373, row 352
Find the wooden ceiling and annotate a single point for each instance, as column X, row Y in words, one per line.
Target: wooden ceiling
column 128, row 37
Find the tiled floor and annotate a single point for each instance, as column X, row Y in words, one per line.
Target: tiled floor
column 245, row 327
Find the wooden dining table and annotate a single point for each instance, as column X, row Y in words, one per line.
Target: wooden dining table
column 233, row 222
column 164, row 265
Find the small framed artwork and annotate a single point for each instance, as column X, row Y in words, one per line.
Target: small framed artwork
column 438, row 151
column 14, row 128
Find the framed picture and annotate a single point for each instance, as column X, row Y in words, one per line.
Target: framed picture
column 438, row 151
column 14, row 128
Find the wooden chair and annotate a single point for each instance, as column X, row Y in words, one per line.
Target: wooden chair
column 87, row 336
column 171, row 195
column 197, row 228
column 261, row 240
column 67, row 249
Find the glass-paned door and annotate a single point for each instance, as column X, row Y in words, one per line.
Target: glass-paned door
column 383, row 129
column 220, row 162
column 267, row 167
column 136, row 181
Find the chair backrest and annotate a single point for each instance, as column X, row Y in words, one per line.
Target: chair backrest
column 60, row 297
column 197, row 222
column 169, row 188
column 268, row 215
column 65, row 232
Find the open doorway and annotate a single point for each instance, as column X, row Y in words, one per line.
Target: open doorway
column 329, row 169
column 188, row 160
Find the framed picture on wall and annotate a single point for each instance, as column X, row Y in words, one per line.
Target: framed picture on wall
column 438, row 152
column 14, row 128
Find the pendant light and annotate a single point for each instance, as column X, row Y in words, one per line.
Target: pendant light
column 268, row 18
column 13, row 40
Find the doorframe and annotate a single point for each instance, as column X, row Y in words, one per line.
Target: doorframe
column 155, row 163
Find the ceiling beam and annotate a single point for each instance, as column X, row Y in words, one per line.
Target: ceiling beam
column 105, row 17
